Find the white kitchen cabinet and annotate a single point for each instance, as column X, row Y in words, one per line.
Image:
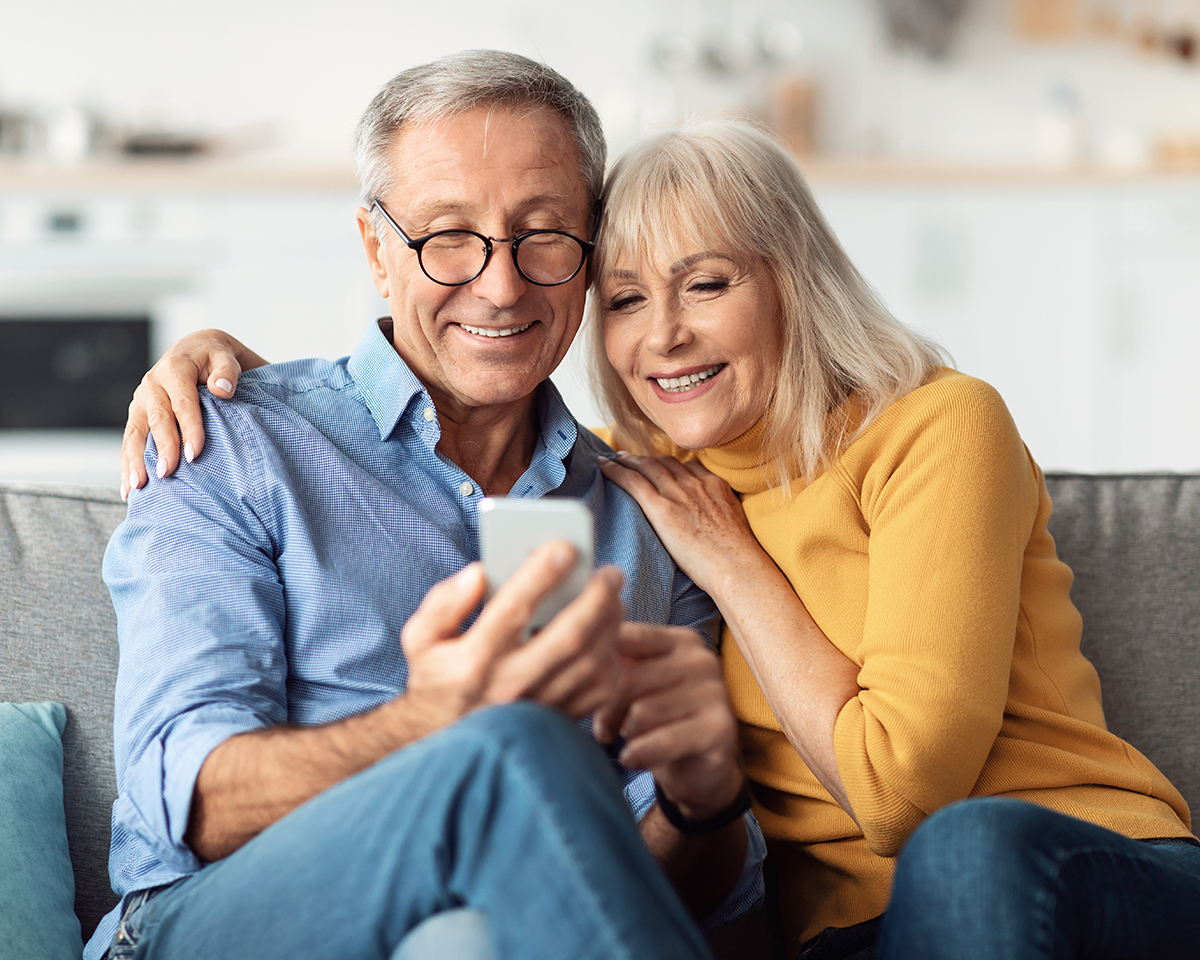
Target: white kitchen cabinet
column 1079, row 301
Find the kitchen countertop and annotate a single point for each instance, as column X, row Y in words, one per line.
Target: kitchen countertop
column 202, row 175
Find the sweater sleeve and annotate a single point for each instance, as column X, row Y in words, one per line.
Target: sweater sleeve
column 950, row 497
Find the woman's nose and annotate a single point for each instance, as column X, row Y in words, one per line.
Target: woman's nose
column 668, row 329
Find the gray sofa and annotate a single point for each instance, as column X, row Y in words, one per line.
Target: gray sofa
column 1133, row 542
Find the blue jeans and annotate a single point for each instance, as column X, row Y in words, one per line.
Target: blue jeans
column 999, row 879
column 512, row 811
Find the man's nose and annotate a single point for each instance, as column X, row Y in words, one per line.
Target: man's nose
column 501, row 284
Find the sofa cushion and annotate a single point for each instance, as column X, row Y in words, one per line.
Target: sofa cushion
column 1133, row 543
column 58, row 641
column 37, row 889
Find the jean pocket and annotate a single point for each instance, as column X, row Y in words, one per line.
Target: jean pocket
column 129, row 927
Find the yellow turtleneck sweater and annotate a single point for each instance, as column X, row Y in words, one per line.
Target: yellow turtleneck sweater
column 922, row 553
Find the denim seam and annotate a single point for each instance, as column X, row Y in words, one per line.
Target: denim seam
column 528, row 784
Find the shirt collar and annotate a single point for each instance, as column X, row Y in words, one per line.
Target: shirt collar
column 552, row 456
column 389, row 387
column 384, row 380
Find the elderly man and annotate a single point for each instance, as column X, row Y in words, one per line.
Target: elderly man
column 303, row 761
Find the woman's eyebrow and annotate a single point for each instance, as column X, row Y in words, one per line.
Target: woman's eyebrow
column 681, row 265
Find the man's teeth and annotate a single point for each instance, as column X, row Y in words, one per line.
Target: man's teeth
column 683, row 384
column 489, row 332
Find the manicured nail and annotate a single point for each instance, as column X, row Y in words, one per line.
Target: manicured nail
column 189, row 452
column 133, row 480
column 124, row 492
column 225, row 385
column 161, row 469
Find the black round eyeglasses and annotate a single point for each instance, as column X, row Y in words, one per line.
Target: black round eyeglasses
column 454, row 257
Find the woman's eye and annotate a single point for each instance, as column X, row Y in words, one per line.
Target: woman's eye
column 709, row 286
column 623, row 301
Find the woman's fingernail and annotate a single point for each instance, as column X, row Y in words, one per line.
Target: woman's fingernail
column 189, row 452
column 133, row 480
column 225, row 385
column 161, row 469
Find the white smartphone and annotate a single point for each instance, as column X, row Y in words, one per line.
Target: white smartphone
column 510, row 529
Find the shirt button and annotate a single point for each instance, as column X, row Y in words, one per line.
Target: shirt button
column 465, row 488
column 430, row 414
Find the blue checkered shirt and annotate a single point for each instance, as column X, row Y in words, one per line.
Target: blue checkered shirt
column 268, row 581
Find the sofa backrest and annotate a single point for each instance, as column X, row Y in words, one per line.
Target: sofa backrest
column 58, row 641
column 1133, row 542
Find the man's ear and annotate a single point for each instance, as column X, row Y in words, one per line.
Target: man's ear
column 372, row 246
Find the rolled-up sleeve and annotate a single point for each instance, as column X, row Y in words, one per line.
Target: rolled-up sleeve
column 200, row 613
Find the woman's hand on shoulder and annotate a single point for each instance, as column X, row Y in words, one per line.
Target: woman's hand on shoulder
column 696, row 515
column 167, row 402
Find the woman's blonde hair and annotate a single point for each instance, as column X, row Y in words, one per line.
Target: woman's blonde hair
column 726, row 185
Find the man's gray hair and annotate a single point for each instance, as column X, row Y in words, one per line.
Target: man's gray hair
column 440, row 91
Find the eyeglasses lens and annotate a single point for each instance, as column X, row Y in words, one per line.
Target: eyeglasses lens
column 545, row 258
column 549, row 257
column 453, row 257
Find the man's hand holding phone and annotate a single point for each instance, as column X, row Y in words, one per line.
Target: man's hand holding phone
column 571, row 664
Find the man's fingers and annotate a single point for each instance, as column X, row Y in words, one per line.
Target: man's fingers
column 583, row 631
column 695, row 735
column 506, row 615
column 442, row 611
column 580, row 686
column 640, row 640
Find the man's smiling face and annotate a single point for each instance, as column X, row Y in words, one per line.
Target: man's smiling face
column 497, row 172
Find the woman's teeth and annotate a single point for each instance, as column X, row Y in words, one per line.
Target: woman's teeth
column 489, row 332
column 684, row 384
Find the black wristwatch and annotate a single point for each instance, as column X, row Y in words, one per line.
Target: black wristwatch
column 685, row 824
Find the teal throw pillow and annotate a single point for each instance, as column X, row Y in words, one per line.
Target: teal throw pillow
column 37, row 888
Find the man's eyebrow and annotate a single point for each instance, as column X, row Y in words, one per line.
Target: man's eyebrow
column 680, row 265
column 432, row 209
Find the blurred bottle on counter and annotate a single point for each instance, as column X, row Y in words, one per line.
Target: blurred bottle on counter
column 793, row 114
column 72, row 135
column 1046, row 19
column 19, row 131
column 1059, row 139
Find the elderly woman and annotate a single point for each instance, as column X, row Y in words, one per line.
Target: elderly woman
column 898, row 630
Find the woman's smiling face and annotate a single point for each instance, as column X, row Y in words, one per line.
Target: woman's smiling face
column 696, row 338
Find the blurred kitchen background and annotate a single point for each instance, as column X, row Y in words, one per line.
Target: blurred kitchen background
column 1019, row 178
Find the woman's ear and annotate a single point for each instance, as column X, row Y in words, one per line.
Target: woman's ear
column 373, row 245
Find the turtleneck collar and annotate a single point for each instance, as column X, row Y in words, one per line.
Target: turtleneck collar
column 741, row 462
column 744, row 465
